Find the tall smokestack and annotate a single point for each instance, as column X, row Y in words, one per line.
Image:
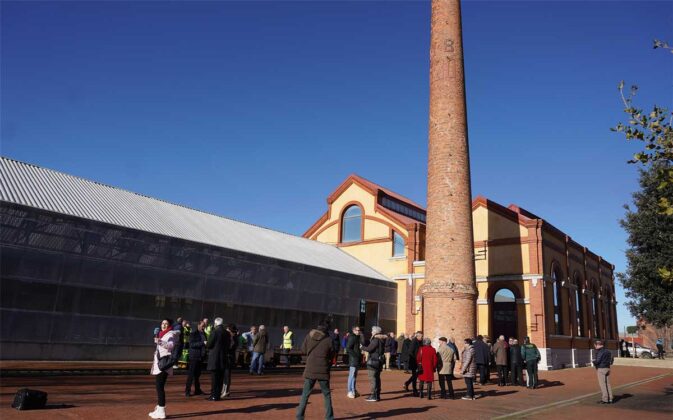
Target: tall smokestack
column 449, row 292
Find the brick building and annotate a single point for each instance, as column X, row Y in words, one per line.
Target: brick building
column 532, row 278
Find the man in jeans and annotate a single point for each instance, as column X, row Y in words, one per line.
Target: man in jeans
column 354, row 360
column 259, row 346
column 318, row 349
column 602, row 362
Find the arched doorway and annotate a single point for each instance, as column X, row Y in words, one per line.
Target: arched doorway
column 503, row 314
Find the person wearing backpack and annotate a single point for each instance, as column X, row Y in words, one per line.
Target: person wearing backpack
column 602, row 363
column 375, row 349
column 317, row 347
column 162, row 366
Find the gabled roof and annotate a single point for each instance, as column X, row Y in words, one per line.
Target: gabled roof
column 29, row 185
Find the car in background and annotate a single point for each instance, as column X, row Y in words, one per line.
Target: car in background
column 642, row 352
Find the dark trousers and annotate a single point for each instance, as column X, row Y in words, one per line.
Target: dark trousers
column 217, row 379
column 413, row 379
column 502, row 375
column 517, row 374
column 469, row 384
column 326, row 394
column 660, row 350
column 193, row 375
column 531, row 370
column 449, row 384
column 286, row 356
column 483, row 373
column 226, row 381
column 375, row 382
column 160, row 382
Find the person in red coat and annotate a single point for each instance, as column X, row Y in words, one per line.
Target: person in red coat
column 427, row 359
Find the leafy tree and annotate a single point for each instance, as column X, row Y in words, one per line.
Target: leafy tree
column 648, row 280
column 655, row 130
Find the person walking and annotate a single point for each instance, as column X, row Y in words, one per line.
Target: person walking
column 447, row 357
column 468, row 368
column 375, row 349
column 531, row 357
column 389, row 349
column 336, row 346
column 166, row 341
column 230, row 360
column 602, row 362
column 400, row 345
column 259, row 346
column 197, row 352
column 412, row 363
column 288, row 343
column 354, row 360
column 427, row 360
column 317, row 347
column 500, row 353
column 249, row 338
column 218, row 347
column 660, row 348
column 482, row 355
column 516, row 363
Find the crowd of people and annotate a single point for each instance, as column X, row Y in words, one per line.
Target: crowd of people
column 220, row 348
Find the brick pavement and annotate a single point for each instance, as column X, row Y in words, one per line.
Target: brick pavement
column 276, row 396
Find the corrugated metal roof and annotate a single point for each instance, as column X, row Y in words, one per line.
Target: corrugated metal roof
column 46, row 189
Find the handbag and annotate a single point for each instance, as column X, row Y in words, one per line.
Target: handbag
column 166, row 362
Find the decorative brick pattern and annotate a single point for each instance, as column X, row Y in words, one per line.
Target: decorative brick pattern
column 449, row 294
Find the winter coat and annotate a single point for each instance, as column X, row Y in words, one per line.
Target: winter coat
column 530, row 353
column 413, row 352
column 482, row 354
column 400, row 344
column 165, row 347
column 448, row 357
column 353, row 351
column 317, row 347
column 260, row 342
column 376, row 349
column 389, row 346
column 468, row 367
column 233, row 346
column 515, row 355
column 427, row 357
column 218, row 348
column 197, row 348
column 603, row 358
column 500, row 353
column 404, row 354
column 336, row 343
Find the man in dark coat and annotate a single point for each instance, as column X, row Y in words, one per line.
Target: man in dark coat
column 354, row 359
column 404, row 353
column 218, row 352
column 231, row 359
column 375, row 348
column 318, row 349
column 602, row 361
column 516, row 363
column 482, row 355
column 197, row 352
column 416, row 344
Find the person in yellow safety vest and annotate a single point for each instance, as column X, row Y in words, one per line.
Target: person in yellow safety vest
column 288, row 343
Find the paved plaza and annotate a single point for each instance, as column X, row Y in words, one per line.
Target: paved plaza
column 646, row 393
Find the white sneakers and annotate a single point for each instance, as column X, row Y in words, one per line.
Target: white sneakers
column 350, row 395
column 158, row 413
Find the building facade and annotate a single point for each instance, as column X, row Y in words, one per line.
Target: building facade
column 532, row 279
column 88, row 271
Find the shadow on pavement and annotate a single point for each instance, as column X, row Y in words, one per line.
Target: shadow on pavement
column 616, row 398
column 548, row 384
column 391, row 413
column 493, row 393
column 253, row 409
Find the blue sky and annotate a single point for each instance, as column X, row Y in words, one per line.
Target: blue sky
column 257, row 111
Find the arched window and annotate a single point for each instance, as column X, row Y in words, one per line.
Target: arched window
column 398, row 245
column 351, row 224
column 595, row 312
column 556, row 277
column 579, row 305
column 608, row 313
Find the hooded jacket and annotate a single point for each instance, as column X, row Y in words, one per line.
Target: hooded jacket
column 317, row 346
